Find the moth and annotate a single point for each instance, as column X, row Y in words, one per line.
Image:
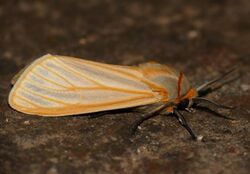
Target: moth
column 60, row 86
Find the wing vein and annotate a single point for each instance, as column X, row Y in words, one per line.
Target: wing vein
column 57, row 74
column 109, row 67
column 27, row 100
column 43, row 86
column 42, row 96
column 114, row 102
column 48, row 80
column 79, row 74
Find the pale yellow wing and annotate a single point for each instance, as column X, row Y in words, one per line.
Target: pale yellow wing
column 60, row 86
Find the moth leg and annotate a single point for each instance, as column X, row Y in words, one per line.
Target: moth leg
column 97, row 115
column 215, row 113
column 137, row 123
column 140, row 109
column 184, row 123
column 201, row 100
column 145, row 117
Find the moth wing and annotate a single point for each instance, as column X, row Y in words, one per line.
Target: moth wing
column 60, row 86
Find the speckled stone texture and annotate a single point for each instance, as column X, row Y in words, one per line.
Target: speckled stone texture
column 200, row 38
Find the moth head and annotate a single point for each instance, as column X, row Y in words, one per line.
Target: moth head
column 185, row 103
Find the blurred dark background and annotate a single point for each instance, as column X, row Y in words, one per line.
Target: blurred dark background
column 200, row 38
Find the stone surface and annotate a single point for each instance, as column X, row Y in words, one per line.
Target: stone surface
column 201, row 39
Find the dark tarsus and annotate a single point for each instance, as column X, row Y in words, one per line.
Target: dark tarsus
column 184, row 123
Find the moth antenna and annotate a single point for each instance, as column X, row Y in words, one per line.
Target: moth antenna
column 199, row 100
column 205, row 87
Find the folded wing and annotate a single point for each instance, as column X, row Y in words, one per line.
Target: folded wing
column 60, row 86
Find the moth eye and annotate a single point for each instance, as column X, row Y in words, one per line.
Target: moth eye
column 183, row 104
